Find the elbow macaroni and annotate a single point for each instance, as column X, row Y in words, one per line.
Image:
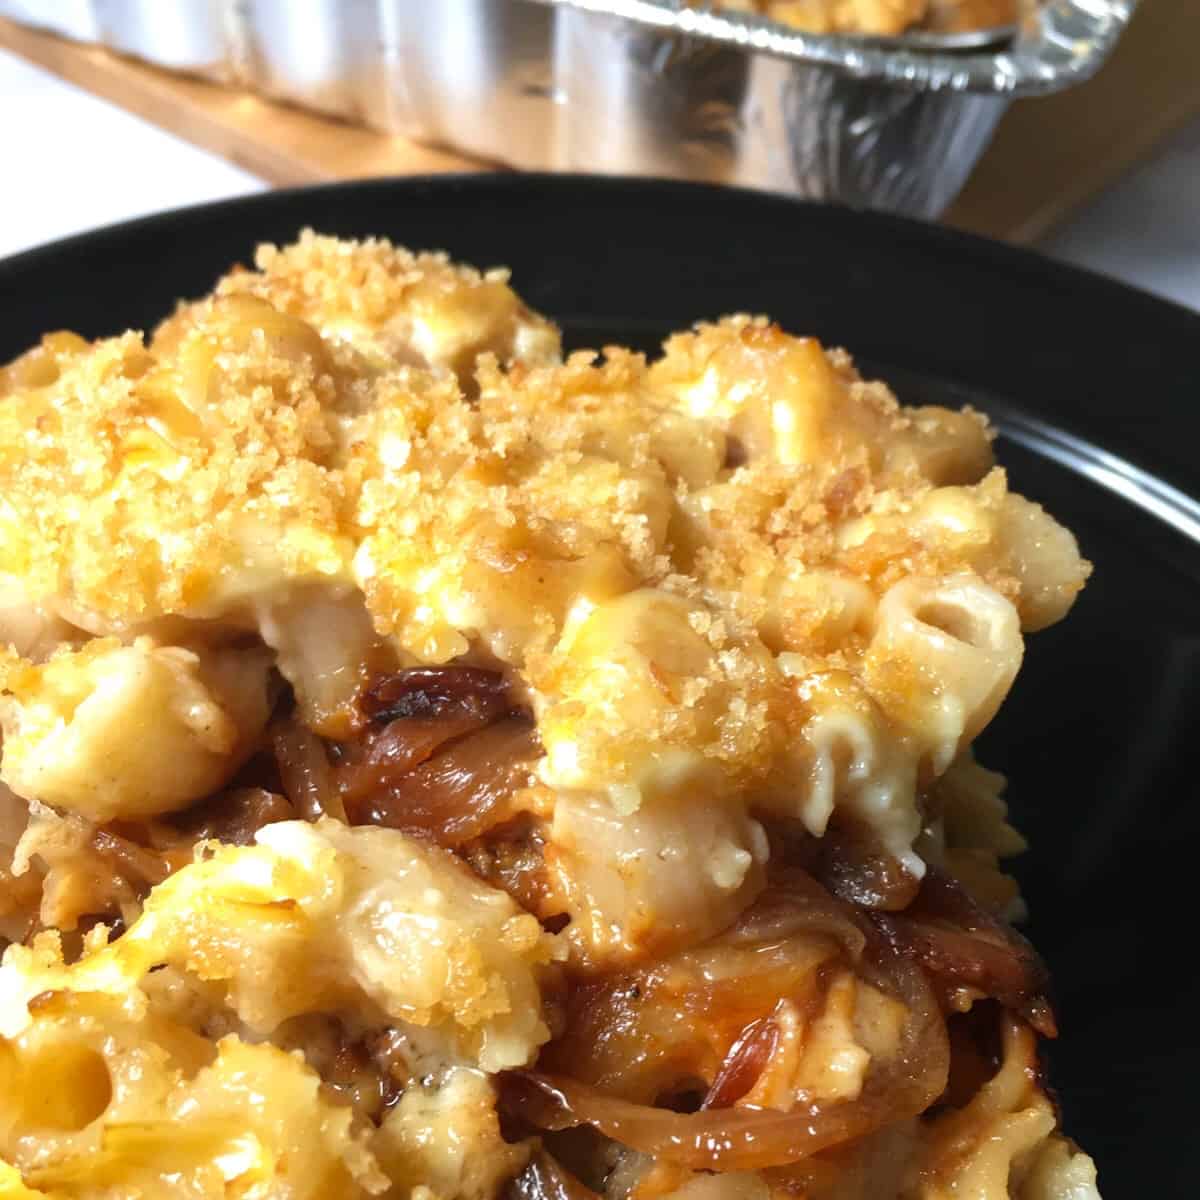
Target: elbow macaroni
column 365, row 921
column 942, row 658
column 130, row 731
column 98, row 1066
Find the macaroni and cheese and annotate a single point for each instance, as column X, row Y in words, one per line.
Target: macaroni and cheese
column 437, row 766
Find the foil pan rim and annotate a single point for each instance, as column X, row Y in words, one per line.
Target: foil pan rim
column 1062, row 44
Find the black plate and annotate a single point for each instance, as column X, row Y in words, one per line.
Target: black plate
column 1099, row 733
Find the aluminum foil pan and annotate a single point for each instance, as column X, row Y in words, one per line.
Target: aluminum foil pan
column 70, row 18
column 478, row 76
column 150, row 29
column 641, row 101
column 1058, row 43
column 650, row 87
column 329, row 55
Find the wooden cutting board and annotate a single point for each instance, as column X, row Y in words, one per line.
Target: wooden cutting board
column 1049, row 154
column 1052, row 153
column 284, row 145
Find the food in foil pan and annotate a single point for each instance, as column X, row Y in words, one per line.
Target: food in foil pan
column 702, row 91
column 662, row 87
column 882, row 17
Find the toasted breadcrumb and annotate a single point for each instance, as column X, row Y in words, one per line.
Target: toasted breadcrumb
column 672, row 559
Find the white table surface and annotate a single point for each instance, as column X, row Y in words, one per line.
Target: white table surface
column 72, row 162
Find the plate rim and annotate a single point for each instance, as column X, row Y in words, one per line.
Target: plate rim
column 516, row 181
column 1149, row 451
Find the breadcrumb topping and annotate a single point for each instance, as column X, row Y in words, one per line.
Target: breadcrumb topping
column 662, row 554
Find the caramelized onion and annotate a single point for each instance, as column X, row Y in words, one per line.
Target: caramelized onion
column 753, row 1138
column 975, row 1050
column 456, row 795
column 957, row 941
column 305, row 771
column 851, row 862
column 443, row 753
column 545, row 1179
column 416, row 712
column 233, row 816
column 794, row 903
column 511, row 856
column 136, row 864
column 745, row 1062
column 649, row 1031
column 748, row 1138
column 403, row 746
column 427, row 692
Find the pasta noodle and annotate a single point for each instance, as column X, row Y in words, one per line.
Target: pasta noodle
column 168, row 726
column 957, row 634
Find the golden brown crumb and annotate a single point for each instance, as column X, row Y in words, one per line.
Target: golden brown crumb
column 683, row 564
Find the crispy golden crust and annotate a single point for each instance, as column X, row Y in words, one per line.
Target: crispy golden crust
column 133, row 484
column 391, row 303
column 659, row 552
